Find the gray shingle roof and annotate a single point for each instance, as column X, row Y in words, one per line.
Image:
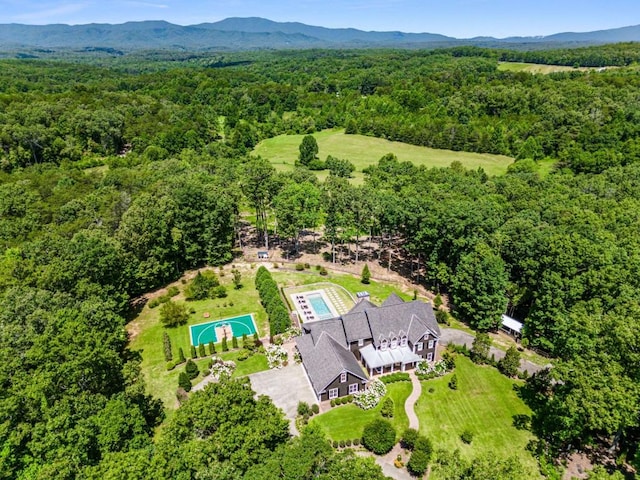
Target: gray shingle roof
column 414, row 317
column 325, row 360
column 356, row 325
column 362, row 305
column 392, row 299
column 333, row 327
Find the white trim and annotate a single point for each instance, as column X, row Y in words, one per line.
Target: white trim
column 333, row 391
column 430, row 357
column 361, row 342
column 432, row 344
column 353, row 388
column 343, row 377
column 419, row 346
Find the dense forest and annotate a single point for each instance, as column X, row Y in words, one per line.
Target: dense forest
column 116, row 178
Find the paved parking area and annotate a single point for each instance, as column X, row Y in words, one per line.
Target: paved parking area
column 286, row 387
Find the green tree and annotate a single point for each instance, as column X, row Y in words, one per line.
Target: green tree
column 379, row 436
column 510, row 364
column 224, row 345
column 479, row 288
column 201, row 350
column 184, row 382
column 168, row 354
column 237, row 278
column 481, row 347
column 173, row 314
column 181, row 357
column 366, row 275
column 308, row 150
column 191, row 369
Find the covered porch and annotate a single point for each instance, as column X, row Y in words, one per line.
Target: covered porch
column 389, row 360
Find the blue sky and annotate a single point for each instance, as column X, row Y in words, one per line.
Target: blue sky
column 459, row 18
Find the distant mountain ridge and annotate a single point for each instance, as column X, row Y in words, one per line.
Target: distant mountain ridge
column 259, row 33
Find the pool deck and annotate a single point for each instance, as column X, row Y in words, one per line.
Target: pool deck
column 305, row 309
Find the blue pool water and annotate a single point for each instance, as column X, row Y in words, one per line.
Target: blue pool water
column 320, row 307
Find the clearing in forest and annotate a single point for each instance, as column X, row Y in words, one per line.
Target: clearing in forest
column 282, row 151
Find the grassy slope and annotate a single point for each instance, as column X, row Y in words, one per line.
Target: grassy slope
column 363, row 151
column 347, row 421
column 541, row 68
column 485, row 403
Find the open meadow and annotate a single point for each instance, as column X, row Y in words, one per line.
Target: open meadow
column 362, row 151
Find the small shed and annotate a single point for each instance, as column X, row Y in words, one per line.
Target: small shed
column 511, row 326
column 362, row 296
column 263, row 255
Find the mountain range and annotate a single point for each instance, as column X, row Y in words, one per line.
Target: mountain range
column 259, row 33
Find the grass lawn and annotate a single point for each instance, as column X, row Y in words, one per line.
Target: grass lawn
column 147, row 333
column 484, row 403
column 363, row 151
column 347, row 422
column 378, row 291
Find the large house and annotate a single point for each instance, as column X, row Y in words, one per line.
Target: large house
column 338, row 353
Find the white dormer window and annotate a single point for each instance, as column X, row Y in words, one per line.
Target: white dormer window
column 383, row 344
column 343, row 377
column 394, row 342
column 403, row 341
column 431, row 344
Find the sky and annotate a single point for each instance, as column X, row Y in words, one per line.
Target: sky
column 457, row 18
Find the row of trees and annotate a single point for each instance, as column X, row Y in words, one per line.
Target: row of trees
column 279, row 320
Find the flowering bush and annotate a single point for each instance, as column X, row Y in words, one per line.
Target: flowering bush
column 221, row 368
column 426, row 370
column 369, row 398
column 276, row 356
column 290, row 333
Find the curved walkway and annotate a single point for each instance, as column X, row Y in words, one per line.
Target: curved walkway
column 410, row 403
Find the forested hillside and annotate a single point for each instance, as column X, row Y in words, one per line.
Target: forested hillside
column 116, row 178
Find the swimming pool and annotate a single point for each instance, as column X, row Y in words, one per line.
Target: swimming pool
column 320, row 307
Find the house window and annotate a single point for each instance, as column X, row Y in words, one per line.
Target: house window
column 361, row 342
column 429, row 356
column 419, row 346
column 333, row 393
column 353, row 388
column 343, row 377
column 426, row 337
column 394, row 342
column 383, row 344
column 431, row 343
column 403, row 341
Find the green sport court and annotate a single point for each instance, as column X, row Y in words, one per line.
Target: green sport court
column 206, row 332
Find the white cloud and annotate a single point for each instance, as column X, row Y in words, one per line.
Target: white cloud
column 50, row 13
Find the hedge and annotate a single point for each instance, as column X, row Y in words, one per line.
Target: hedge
column 279, row 320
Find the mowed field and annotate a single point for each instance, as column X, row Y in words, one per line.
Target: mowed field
column 540, row 68
column 282, row 151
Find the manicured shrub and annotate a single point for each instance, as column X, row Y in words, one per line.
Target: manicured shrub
column 379, row 436
column 307, row 266
column 453, row 383
column 418, row 463
column 315, row 408
column 299, row 267
column 244, row 340
column 323, row 271
column 409, row 438
column 166, row 341
column 184, row 382
column 395, row 377
column 343, row 443
column 333, row 402
column 348, row 442
column 173, row 291
column 387, row 408
column 212, row 348
column 442, row 317
column 356, row 441
column 191, row 369
column 423, row 444
column 193, row 352
column 181, row 358
column 349, row 398
column 201, row 350
column 335, row 444
column 243, row 355
column 303, row 408
column 171, row 366
column 234, row 342
column 467, row 436
column 224, row 345
column 154, row 302
column 366, row 275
